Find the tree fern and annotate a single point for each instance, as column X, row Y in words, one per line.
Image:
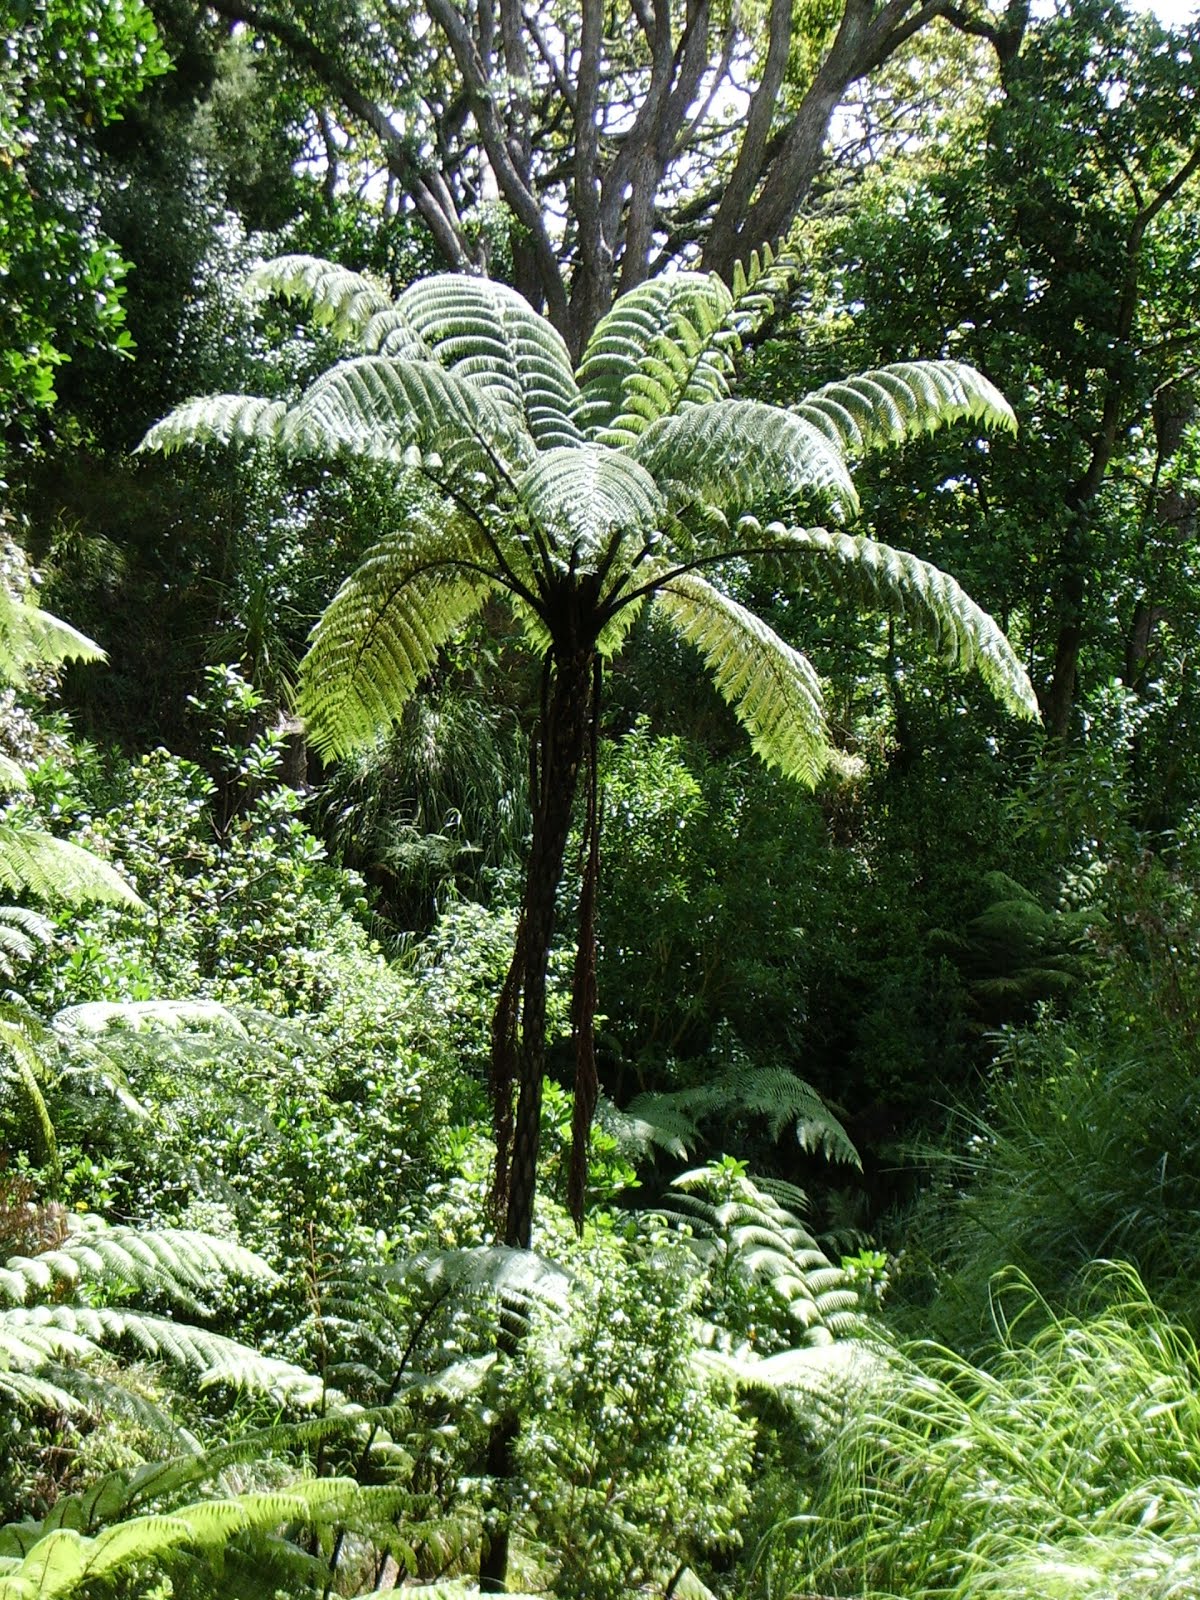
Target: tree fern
column 746, row 1235
column 581, row 498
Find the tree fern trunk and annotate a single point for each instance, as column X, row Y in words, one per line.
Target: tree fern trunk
column 565, row 720
column 562, row 746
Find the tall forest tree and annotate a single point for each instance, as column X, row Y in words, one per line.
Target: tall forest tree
column 617, row 140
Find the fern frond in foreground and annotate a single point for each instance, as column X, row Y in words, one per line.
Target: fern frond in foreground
column 1068, row 1467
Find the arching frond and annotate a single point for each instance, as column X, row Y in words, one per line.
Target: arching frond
column 381, row 633
column 63, row 1561
column 408, row 413
column 177, row 1262
column 759, row 284
column 56, row 869
column 893, row 581
column 731, row 1219
column 739, row 454
column 217, row 419
column 490, row 336
column 584, row 498
column 100, row 1016
column 210, row 1357
column 21, row 1058
column 771, row 687
column 339, row 299
column 30, row 636
column 665, row 344
column 892, row 404
column 773, row 1093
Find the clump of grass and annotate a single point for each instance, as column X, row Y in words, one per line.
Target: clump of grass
column 1070, row 1468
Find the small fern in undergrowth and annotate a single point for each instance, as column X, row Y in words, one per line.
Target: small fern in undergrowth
column 770, row 1285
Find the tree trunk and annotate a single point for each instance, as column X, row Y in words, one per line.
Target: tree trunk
column 565, row 720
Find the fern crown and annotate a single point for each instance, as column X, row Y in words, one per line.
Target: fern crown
column 581, row 496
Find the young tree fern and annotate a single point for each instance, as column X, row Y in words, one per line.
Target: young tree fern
column 581, row 497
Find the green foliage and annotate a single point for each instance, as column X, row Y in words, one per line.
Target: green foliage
column 69, row 66
column 632, row 1461
column 467, row 390
column 1068, row 1467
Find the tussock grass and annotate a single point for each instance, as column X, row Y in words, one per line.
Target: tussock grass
column 1069, row 1468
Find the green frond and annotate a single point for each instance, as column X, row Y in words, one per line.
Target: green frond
column 145, row 1016
column 488, row 335
column 217, row 419
column 730, row 1219
column 55, row 869
column 819, row 1380
column 177, row 1262
column 20, row 1053
column 745, row 1089
column 12, row 774
column 772, row 688
column 338, row 299
column 521, row 1276
column 895, row 582
column 406, row 413
column 30, row 636
column 64, row 1561
column 211, row 1358
column 650, row 1122
column 741, row 454
column 760, row 284
column 381, row 633
column 665, row 344
column 584, row 498
column 893, row 404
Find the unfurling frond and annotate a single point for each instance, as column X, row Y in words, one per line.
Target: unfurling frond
column 217, row 419
column 668, row 343
column 56, row 869
column 338, row 299
column 489, row 336
column 895, row 403
column 893, row 581
column 772, row 688
column 381, row 633
column 740, row 454
column 586, row 497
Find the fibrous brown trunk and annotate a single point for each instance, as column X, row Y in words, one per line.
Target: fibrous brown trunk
column 519, row 1052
